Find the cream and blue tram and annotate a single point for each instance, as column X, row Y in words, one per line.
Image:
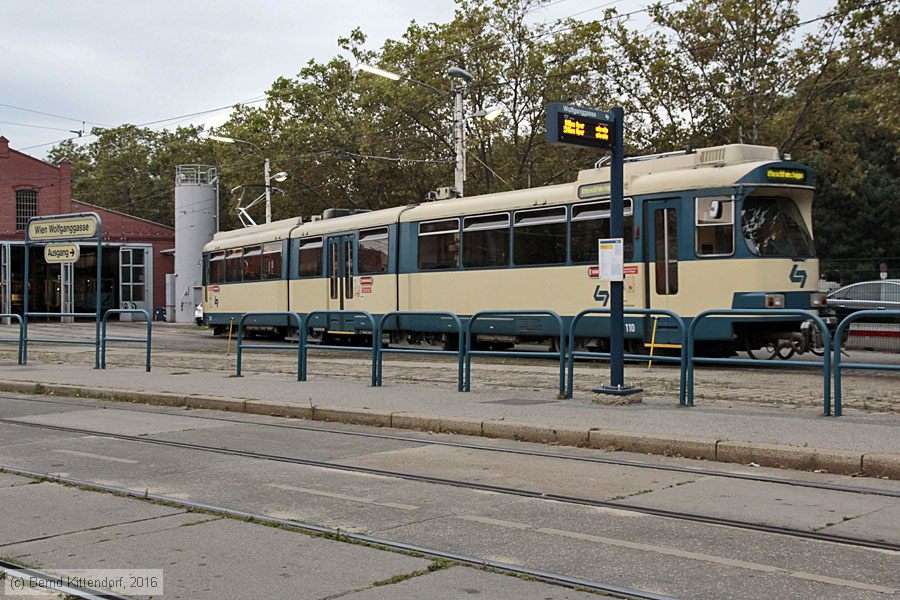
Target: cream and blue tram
column 720, row 227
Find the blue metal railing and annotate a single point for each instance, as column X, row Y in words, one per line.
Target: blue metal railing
column 513, row 314
column 782, row 312
column 104, row 338
column 454, row 321
column 241, row 346
column 682, row 360
column 839, row 365
column 19, row 341
column 376, row 342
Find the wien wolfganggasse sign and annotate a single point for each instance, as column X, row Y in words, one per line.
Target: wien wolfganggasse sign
column 60, row 229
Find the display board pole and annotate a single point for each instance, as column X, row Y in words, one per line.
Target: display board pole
column 592, row 128
column 616, row 288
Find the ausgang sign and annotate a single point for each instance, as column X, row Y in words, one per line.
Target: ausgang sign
column 61, row 253
column 62, row 229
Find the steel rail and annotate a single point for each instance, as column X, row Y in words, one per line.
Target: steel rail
column 524, row 493
column 27, row 573
column 834, row 487
column 546, row 576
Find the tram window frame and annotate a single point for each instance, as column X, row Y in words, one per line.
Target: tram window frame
column 348, row 267
column 711, row 222
column 378, row 239
column 234, row 265
column 216, row 269
column 481, row 230
column 269, row 272
column 665, row 219
column 333, row 268
column 316, row 246
column 588, row 254
column 446, row 244
column 524, row 243
column 247, row 272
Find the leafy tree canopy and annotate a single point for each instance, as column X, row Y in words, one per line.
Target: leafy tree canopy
column 824, row 90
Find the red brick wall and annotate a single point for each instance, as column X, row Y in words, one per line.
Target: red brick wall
column 54, row 196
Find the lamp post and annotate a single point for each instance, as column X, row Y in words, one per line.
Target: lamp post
column 459, row 115
column 279, row 177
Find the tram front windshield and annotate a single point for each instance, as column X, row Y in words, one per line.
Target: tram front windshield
column 775, row 227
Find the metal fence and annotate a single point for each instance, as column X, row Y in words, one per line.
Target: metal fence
column 844, row 271
column 454, row 325
column 839, row 364
column 126, row 340
column 563, row 336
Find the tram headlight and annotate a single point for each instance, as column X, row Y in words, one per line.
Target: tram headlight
column 774, row 300
column 818, row 300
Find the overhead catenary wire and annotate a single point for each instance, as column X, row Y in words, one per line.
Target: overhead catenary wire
column 475, row 47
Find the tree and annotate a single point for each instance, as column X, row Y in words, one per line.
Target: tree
column 351, row 139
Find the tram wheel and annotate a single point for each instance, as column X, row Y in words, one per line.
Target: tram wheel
column 770, row 351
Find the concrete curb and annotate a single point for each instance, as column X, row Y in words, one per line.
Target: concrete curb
column 767, row 455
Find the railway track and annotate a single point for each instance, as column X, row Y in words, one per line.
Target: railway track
column 836, row 487
column 515, row 492
column 380, row 542
column 12, row 570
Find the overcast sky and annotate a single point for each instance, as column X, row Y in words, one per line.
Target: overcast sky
column 138, row 61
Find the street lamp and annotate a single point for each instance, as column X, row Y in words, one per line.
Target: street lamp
column 459, row 116
column 279, row 177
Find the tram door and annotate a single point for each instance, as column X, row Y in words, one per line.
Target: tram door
column 341, row 262
column 661, row 252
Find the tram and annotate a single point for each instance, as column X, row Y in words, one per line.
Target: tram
column 720, row 227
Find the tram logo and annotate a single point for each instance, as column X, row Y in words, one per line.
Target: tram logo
column 798, row 276
column 601, row 295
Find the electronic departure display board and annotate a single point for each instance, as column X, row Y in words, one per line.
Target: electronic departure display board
column 576, row 126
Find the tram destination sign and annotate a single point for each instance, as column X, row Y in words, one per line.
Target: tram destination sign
column 577, row 126
column 61, row 253
column 63, row 229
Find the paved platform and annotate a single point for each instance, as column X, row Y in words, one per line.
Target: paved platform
column 56, row 529
column 790, row 436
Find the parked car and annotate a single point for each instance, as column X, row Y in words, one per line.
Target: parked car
column 865, row 295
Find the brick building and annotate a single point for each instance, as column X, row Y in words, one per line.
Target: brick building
column 134, row 266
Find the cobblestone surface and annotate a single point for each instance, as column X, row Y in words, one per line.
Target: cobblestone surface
column 195, row 348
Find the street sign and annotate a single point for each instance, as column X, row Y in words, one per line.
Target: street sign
column 577, row 126
column 63, row 229
column 61, row 253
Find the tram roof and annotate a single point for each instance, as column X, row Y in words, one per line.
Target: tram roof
column 717, row 166
column 267, row 232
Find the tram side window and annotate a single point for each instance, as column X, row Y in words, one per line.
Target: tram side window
column 715, row 226
column 251, row 263
column 310, row 262
column 439, row 245
column 216, row 268
column 590, row 222
column 539, row 237
column 271, row 260
column 486, row 241
column 373, row 251
column 233, row 265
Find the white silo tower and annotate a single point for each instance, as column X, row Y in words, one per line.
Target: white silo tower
column 196, row 221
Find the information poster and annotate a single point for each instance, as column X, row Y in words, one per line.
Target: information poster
column 612, row 259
